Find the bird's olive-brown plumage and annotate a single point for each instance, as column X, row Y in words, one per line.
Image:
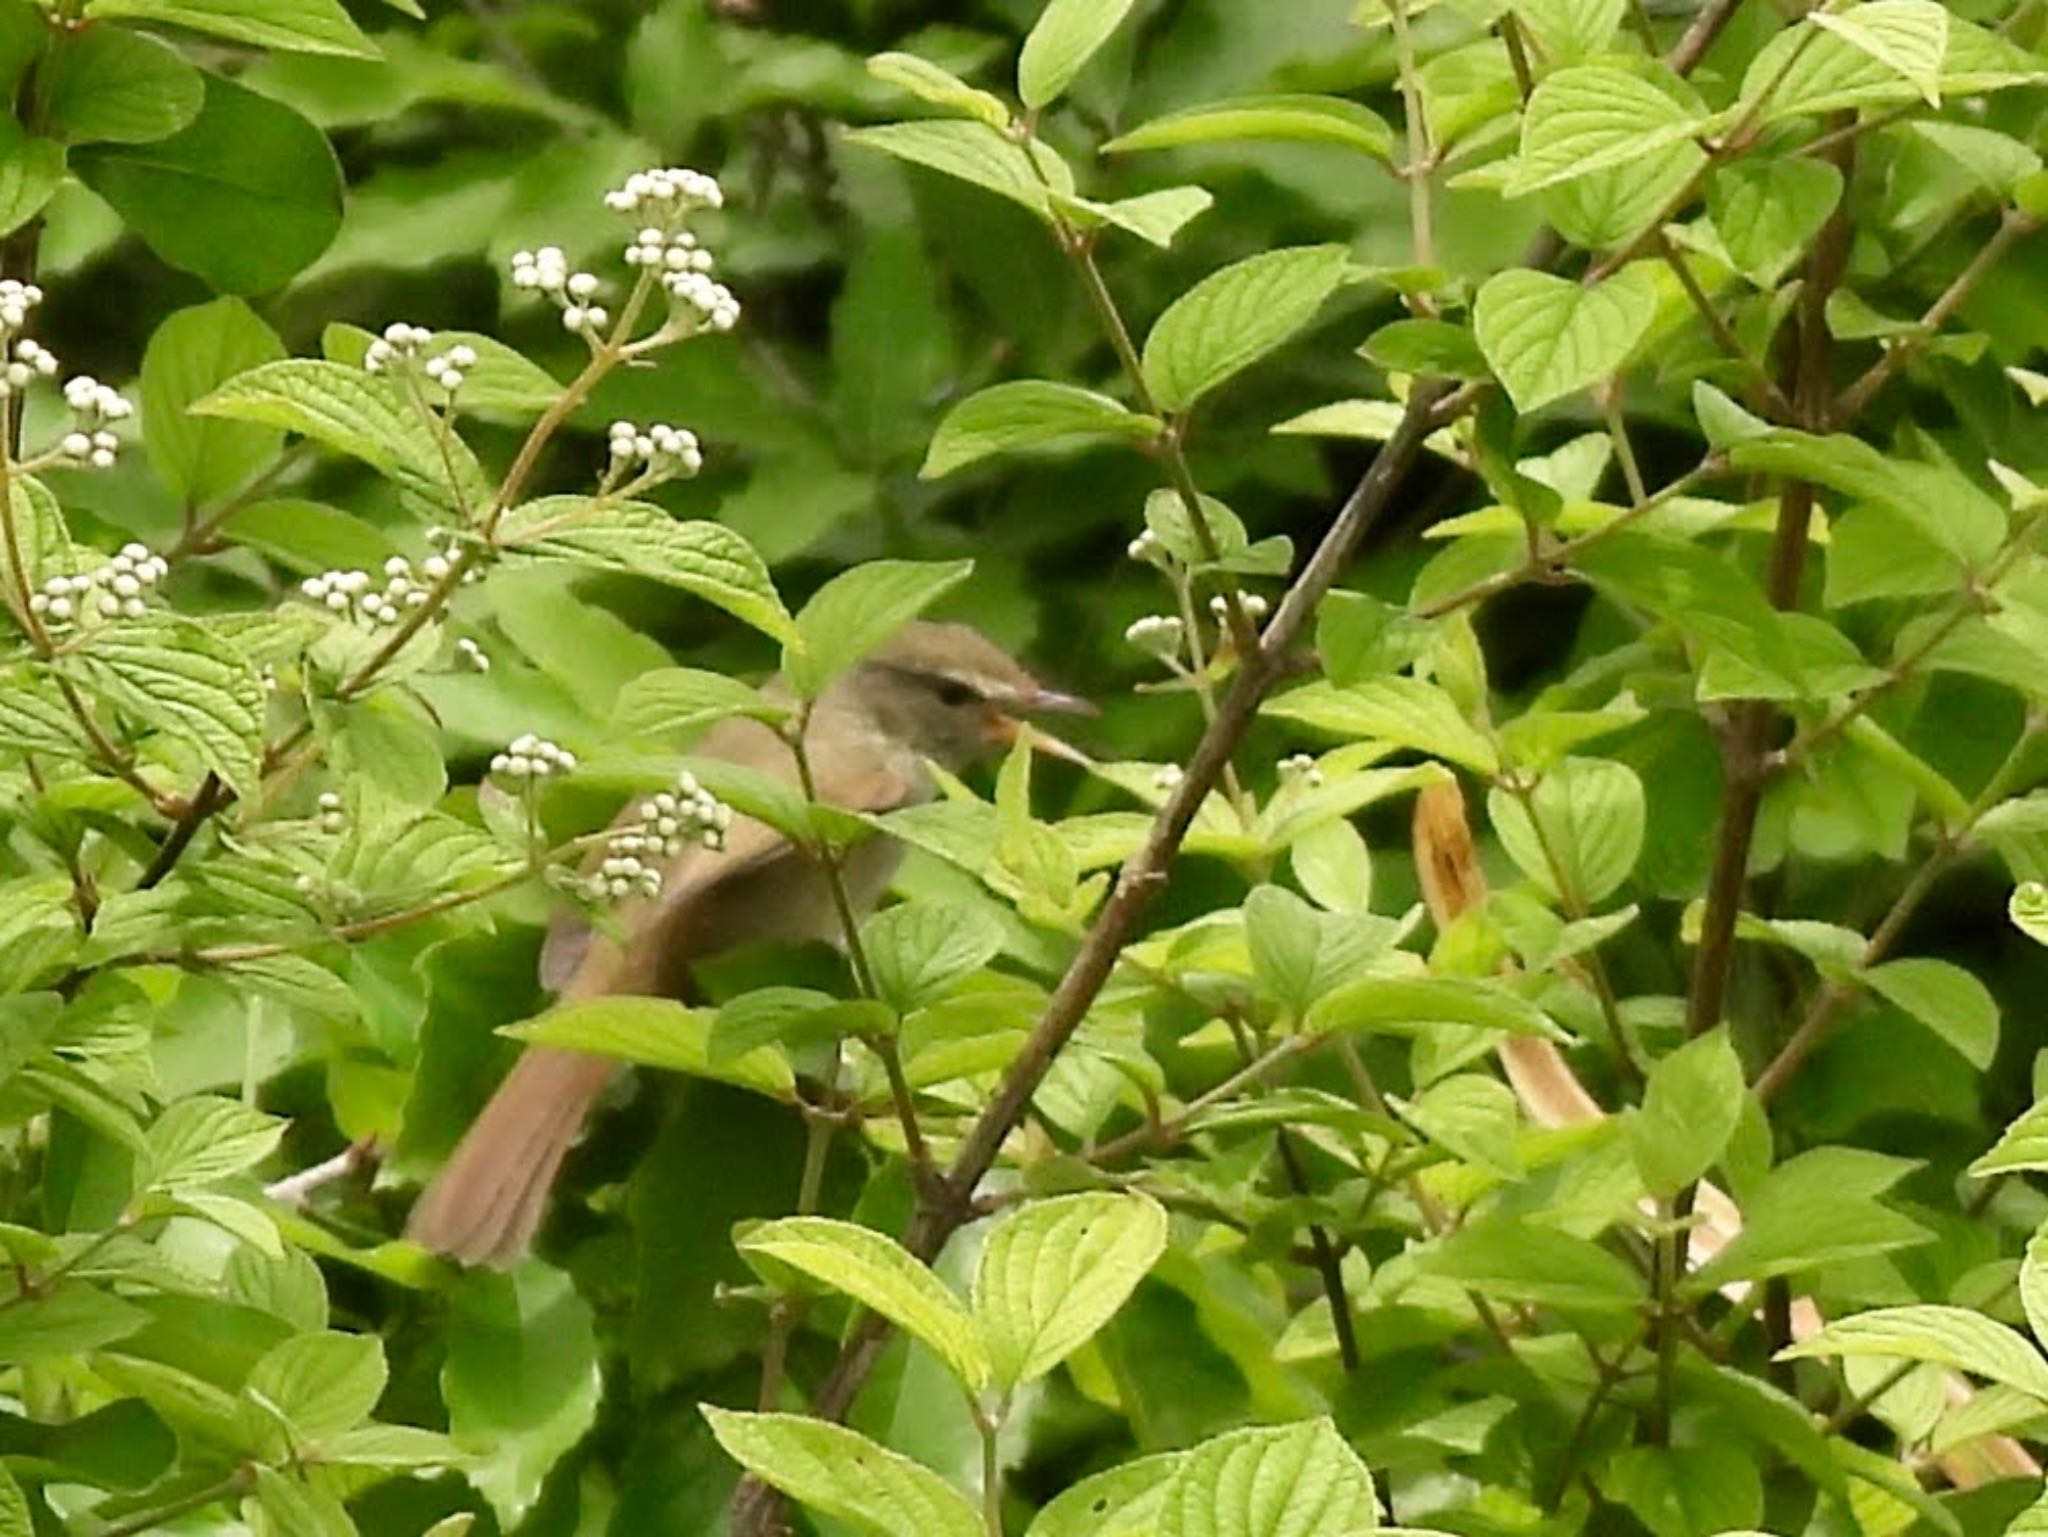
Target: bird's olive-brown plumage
column 938, row 693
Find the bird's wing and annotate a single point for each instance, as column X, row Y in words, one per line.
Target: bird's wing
column 710, row 898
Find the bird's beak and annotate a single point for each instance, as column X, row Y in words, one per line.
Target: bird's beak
column 1006, row 728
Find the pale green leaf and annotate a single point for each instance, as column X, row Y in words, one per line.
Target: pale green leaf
column 1403, row 711
column 1297, row 118
column 1123, row 1501
column 1954, row 1337
column 304, row 26
column 2028, row 907
column 858, row 610
column 1946, row 999
column 1059, row 46
column 1547, row 337
column 1298, row 1480
column 680, row 698
column 322, row 1384
column 1053, row 1272
column 844, row 1475
column 1689, row 1111
column 976, row 153
column 655, row 1032
column 879, row 1273
column 1027, row 413
column 705, row 559
column 1519, row 1261
column 1411, row 1005
column 203, row 1139
column 1581, row 832
column 1234, row 317
column 920, row 951
column 186, row 682
column 928, row 82
column 1768, row 211
column 1910, row 36
column 2022, row 1145
column 1594, row 117
column 191, row 352
column 1154, row 216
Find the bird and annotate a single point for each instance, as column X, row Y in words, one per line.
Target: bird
column 935, row 693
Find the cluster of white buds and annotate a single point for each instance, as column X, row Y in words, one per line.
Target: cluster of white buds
column 472, row 655
column 1160, row 635
column 546, row 272
column 330, row 813
column 27, row 361
column 438, row 565
column 358, row 595
column 94, row 407
column 1300, row 767
column 1167, row 777
column 403, row 347
column 115, row 590
column 1255, row 607
column 400, row 345
column 1147, row 548
column 668, row 823
column 666, row 194
column 531, row 757
column 664, row 452
column 709, row 303
column 669, row 251
column 16, row 300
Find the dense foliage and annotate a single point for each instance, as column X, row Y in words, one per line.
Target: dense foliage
column 1522, row 1024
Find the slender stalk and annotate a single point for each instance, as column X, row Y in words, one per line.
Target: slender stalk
column 991, row 1473
column 1176, row 1128
column 234, row 1486
column 1421, row 197
column 1836, row 995
column 1858, row 395
column 1764, row 391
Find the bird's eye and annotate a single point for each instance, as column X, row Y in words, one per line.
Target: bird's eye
column 953, row 693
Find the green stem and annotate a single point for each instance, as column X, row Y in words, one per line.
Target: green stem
column 234, row 1486
column 990, row 1426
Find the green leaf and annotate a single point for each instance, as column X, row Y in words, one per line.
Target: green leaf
column 702, row 558
column 1954, row 1337
column 880, row 1274
column 1407, row 1005
column 284, row 1506
column 1690, row 1109
column 974, row 153
column 521, row 1380
column 1571, row 30
column 1816, row 1209
column 1426, row 347
column 1298, row 1480
column 1234, row 317
column 1593, row 117
column 1547, row 337
column 15, row 1518
column 502, row 381
column 681, row 698
column 33, row 718
column 1334, row 866
column 1154, row 216
column 2028, row 909
column 1688, row 1491
column 655, row 1032
column 1472, row 1116
column 304, row 26
column 1065, row 37
column 926, row 81
column 1586, row 830
column 2034, row 1283
column 1517, row 1261
column 1768, row 211
column 359, row 414
column 1053, row 1272
column 920, row 951
column 121, row 85
column 1123, row 1501
column 65, row 1323
column 2023, row 1145
column 1403, row 711
column 1289, row 118
column 1946, row 999
column 1027, row 413
column 1807, row 70
column 200, row 1140
column 192, row 352
column 183, row 681
column 844, row 1475
column 1299, row 954
column 31, row 170
column 858, row 610
column 322, row 1384
column 306, row 537
column 245, row 196
column 1910, row 36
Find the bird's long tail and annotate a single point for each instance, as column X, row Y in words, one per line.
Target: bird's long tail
column 485, row 1204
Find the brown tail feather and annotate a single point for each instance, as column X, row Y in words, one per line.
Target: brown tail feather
column 485, row 1204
